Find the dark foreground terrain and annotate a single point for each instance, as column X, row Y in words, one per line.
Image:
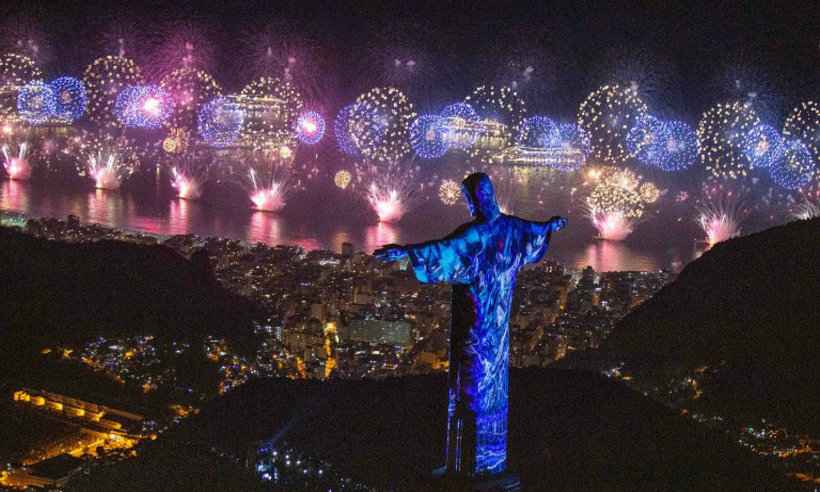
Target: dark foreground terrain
column 569, row 431
column 744, row 320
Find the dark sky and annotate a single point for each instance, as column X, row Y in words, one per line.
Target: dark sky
column 684, row 56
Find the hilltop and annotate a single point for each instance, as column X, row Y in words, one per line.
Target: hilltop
column 743, row 319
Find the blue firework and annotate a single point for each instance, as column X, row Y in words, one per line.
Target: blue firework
column 70, row 98
column 643, row 140
column 460, row 110
column 763, row 146
column 143, row 106
column 570, row 135
column 538, row 131
column 340, row 129
column 310, row 127
column 797, row 167
column 35, row 103
column 426, row 138
column 219, row 122
column 677, row 147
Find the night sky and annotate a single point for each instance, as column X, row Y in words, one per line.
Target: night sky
column 685, row 56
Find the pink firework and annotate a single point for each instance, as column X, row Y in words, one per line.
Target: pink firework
column 721, row 211
column 386, row 202
column 391, row 189
column 188, row 187
column 272, row 175
column 270, row 199
column 615, row 205
column 17, row 166
column 107, row 160
column 613, row 225
column 103, row 170
column 718, row 226
column 189, row 171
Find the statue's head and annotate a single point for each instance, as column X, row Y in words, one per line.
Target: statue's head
column 480, row 196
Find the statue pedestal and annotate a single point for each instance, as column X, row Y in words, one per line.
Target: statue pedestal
column 502, row 482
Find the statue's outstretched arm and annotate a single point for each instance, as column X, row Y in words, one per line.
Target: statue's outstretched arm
column 555, row 224
column 536, row 237
column 449, row 260
column 397, row 252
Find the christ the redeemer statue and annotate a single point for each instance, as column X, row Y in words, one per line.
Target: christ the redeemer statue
column 481, row 259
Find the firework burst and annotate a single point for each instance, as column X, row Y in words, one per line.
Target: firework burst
column 721, row 133
column 16, row 163
column 15, row 72
column 189, row 89
column 763, row 146
column 721, row 211
column 500, row 114
column 271, row 108
column 272, row 175
column 390, row 188
column 797, row 167
column 803, row 123
column 108, row 160
column 310, row 127
column 677, row 148
column 606, row 116
column 342, row 179
column 143, row 106
column 617, row 201
column 426, row 137
column 806, row 210
column 70, row 99
column 449, row 192
column 104, row 79
column 189, row 171
column 379, row 124
column 220, row 122
column 644, row 140
column 36, row 103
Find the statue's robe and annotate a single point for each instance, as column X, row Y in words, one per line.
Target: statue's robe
column 481, row 260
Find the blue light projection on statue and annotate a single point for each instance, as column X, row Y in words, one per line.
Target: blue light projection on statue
column 481, row 259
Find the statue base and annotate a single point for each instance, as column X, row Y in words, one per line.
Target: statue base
column 502, row 482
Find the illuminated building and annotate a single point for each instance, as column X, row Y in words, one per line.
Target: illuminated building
column 561, row 158
column 485, row 134
column 377, row 332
